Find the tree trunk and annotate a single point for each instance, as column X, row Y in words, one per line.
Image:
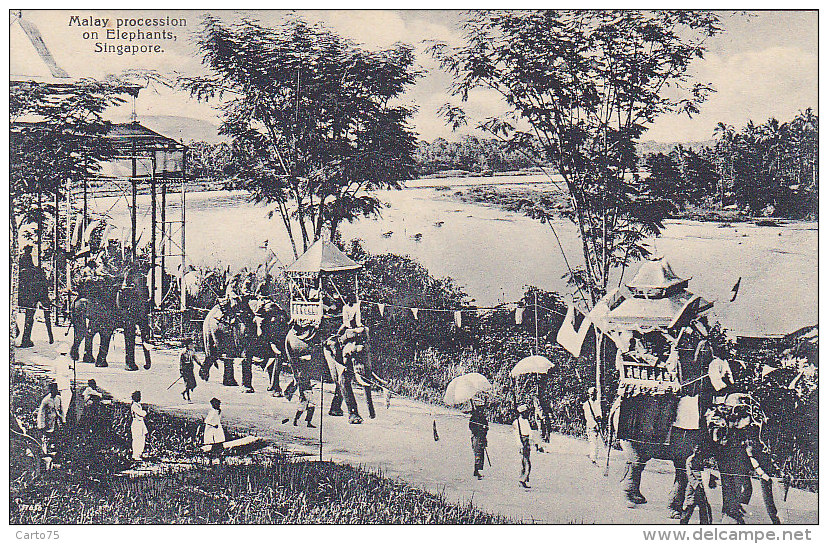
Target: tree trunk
column 15, row 274
column 599, row 341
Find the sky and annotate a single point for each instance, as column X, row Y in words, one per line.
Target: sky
column 764, row 64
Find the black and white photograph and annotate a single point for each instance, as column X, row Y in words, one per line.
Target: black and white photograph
column 414, row 267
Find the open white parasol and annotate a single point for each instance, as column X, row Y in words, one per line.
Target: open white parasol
column 463, row 388
column 534, row 364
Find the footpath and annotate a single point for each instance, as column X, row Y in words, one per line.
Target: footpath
column 399, row 443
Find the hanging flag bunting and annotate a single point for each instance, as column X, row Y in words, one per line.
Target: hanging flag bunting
column 458, row 319
column 414, row 312
column 381, row 308
column 571, row 339
column 76, row 232
column 767, row 369
column 519, row 316
column 105, row 235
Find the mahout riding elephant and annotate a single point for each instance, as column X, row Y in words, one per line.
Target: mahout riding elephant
column 33, row 290
column 133, row 307
column 224, row 330
column 348, row 359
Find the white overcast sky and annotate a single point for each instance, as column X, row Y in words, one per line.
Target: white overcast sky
column 764, row 64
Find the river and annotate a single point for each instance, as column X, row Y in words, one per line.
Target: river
column 494, row 254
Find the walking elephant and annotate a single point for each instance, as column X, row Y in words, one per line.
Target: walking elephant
column 93, row 312
column 267, row 344
column 226, row 327
column 33, row 290
column 688, row 430
column 133, row 306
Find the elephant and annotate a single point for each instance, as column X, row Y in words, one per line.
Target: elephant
column 133, row 306
column 224, row 330
column 34, row 290
column 348, row 359
column 268, row 343
column 103, row 304
column 698, row 393
column 94, row 312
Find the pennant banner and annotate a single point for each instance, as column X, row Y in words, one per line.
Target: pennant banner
column 571, row 339
column 414, row 312
column 381, row 308
column 519, row 316
column 458, row 319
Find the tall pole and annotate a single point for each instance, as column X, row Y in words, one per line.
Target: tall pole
column 536, row 323
column 164, row 287
column 134, row 217
column 85, row 214
column 321, row 406
column 55, row 243
column 153, row 264
column 68, row 242
column 183, row 233
column 39, row 228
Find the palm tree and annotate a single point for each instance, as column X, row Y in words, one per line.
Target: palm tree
column 725, row 147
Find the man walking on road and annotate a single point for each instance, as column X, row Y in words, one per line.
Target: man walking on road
column 593, row 417
column 479, row 427
column 523, row 434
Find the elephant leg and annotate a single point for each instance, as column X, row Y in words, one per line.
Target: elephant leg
column 129, row 346
column 47, row 317
column 204, row 371
column 336, row 401
column 728, row 464
column 88, row 338
column 682, row 444
column 275, row 375
column 229, row 373
column 26, row 340
column 637, row 457
column 247, row 373
column 369, row 400
column 78, row 336
column 770, row 504
column 347, row 390
column 103, row 349
column 143, row 325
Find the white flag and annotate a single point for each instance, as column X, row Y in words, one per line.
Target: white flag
column 572, row 340
column 458, row 319
column 381, row 308
column 414, row 312
column 518, row 316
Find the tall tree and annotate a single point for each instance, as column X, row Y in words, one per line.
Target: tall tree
column 316, row 122
column 586, row 84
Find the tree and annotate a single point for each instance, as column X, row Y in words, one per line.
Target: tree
column 586, row 84
column 316, row 122
column 56, row 135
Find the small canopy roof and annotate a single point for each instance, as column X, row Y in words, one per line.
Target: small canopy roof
column 654, row 279
column 125, row 135
column 322, row 256
column 667, row 312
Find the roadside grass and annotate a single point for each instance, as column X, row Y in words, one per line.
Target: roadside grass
column 85, row 487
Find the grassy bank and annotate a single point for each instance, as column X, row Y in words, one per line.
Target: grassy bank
column 513, row 199
column 86, row 488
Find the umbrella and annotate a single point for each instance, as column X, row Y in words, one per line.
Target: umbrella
column 534, row 364
column 463, row 388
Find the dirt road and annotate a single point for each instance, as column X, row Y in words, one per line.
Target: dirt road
column 566, row 486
